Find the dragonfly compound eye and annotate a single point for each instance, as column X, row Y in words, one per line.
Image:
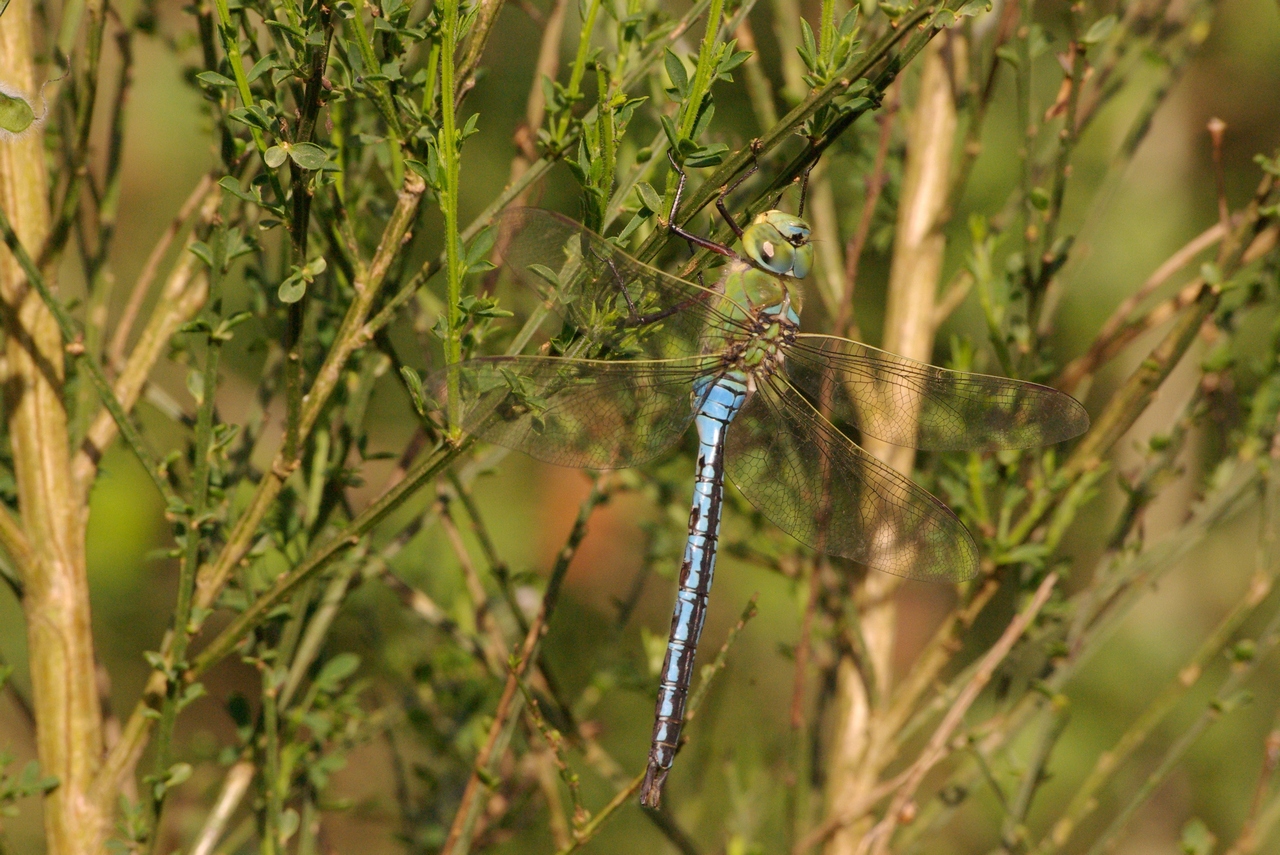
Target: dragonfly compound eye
column 779, row 243
column 766, row 246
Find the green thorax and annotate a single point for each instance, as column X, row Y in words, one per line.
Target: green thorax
column 776, row 251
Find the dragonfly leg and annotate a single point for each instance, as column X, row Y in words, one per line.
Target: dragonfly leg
column 632, row 311
column 676, row 229
column 804, row 187
column 729, row 188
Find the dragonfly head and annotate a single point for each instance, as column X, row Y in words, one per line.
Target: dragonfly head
column 779, row 243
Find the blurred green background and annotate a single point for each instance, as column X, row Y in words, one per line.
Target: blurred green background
column 1127, row 222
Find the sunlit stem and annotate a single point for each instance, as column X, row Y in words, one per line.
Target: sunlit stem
column 449, row 207
column 827, row 32
column 702, row 75
column 580, row 61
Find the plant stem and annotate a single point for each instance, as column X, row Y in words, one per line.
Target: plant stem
column 181, row 631
column 448, row 145
column 877, row 842
column 56, row 596
column 919, row 247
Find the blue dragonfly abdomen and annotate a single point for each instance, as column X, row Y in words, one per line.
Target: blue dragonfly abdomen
column 717, row 401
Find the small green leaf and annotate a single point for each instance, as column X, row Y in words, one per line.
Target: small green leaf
column 480, row 246
column 675, row 70
column 252, row 116
column 420, row 168
column 732, row 61
column 710, row 155
column 546, row 273
column 336, row 670
column 232, row 186
column 1009, row 54
column 413, row 383
column 192, row 692
column 973, row 7
column 289, row 819
column 808, row 48
column 216, row 80
column 292, row 289
column 275, row 156
column 470, row 127
column 315, row 267
column 1039, row 198
column 1197, row 839
column 669, row 128
column 1100, row 30
column 307, row 155
column 195, row 385
column 262, row 66
column 201, row 251
column 16, row 114
column 648, row 196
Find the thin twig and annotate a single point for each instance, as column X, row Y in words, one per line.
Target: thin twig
column 234, row 786
column 352, row 335
column 1255, row 827
column 1084, row 801
column 183, row 295
column 142, row 285
column 1223, row 702
column 585, row 834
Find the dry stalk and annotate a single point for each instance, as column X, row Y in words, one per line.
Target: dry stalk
column 919, row 246
column 234, row 786
column 56, row 599
column 142, row 285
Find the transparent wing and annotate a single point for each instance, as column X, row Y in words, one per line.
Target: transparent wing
column 813, row 482
column 591, row 414
column 905, row 402
column 612, row 298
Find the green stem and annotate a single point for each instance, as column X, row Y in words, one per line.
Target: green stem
column 702, row 75
column 181, row 631
column 273, row 805
column 578, row 69
column 787, row 126
column 448, row 140
column 381, row 99
column 505, row 716
column 231, row 45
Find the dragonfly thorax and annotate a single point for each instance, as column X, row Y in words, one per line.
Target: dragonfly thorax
column 779, row 243
column 772, row 329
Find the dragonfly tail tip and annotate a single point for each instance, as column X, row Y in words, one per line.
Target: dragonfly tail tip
column 651, row 789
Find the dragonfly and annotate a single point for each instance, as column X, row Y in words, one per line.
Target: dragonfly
column 779, row 410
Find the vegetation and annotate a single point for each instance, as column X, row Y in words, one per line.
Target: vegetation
column 242, row 236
